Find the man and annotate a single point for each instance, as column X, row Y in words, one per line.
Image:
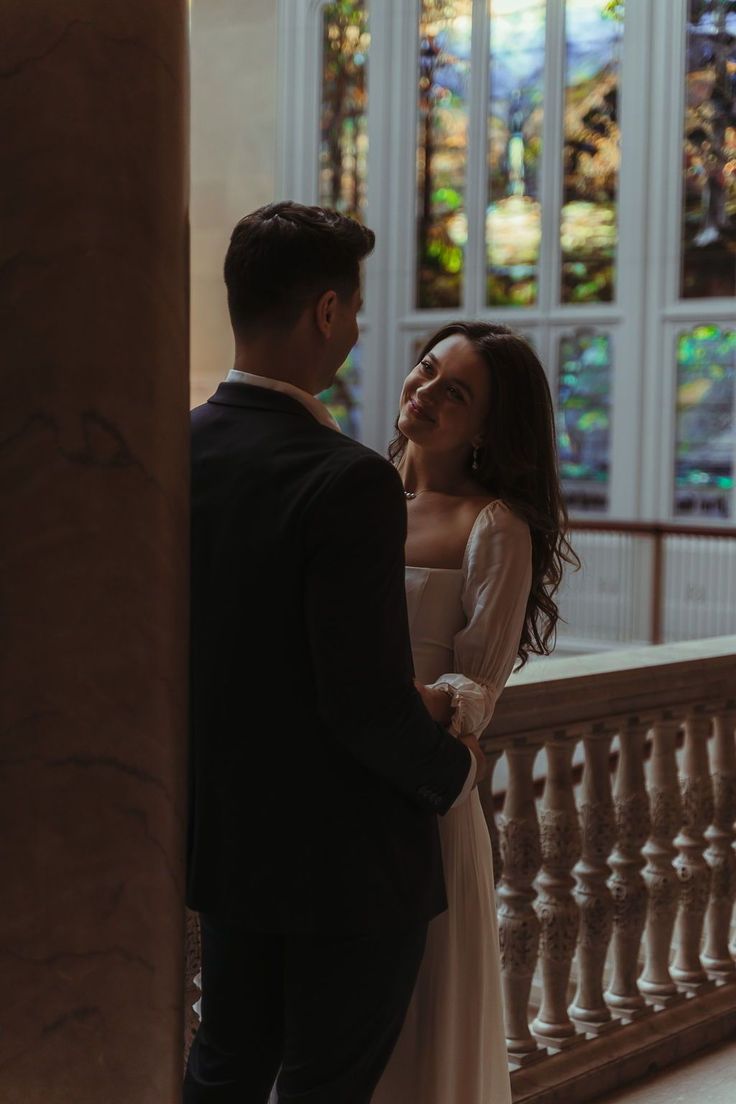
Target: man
column 316, row 773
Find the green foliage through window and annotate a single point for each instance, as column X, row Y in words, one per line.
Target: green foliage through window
column 515, row 123
column 344, row 116
column 709, row 148
column 584, row 417
column 442, row 231
column 588, row 230
column 705, row 435
column 344, row 397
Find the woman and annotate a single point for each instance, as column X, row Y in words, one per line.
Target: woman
column 486, row 544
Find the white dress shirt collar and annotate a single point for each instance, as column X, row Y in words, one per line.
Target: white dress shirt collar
column 316, row 408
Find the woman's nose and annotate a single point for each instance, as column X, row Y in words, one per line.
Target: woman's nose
column 427, row 388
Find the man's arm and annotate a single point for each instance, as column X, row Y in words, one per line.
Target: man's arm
column 355, row 606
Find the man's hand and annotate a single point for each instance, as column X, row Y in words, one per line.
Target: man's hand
column 437, row 702
column 474, row 747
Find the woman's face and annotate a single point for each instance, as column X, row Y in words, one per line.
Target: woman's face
column 445, row 399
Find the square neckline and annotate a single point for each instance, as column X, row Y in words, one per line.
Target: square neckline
column 457, row 570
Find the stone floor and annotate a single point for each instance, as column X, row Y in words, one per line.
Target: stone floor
column 708, row 1078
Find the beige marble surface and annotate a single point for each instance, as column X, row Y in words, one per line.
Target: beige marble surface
column 93, row 431
column 632, row 659
column 612, row 686
column 233, row 159
column 709, row 1077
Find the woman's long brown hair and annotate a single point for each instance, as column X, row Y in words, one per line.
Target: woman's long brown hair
column 518, row 465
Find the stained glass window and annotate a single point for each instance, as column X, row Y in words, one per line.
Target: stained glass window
column 444, row 65
column 344, row 123
column 706, row 434
column 344, row 398
column 515, row 118
column 709, row 192
column 588, row 230
column 583, row 418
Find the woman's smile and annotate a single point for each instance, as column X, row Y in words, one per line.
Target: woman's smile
column 419, row 410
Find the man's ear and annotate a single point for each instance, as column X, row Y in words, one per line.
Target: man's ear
column 325, row 312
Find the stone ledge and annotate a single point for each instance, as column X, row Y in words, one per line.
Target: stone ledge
column 609, row 1062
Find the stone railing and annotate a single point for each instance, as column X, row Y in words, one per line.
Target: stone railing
column 618, row 872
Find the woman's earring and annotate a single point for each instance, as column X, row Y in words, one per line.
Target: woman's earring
column 476, row 451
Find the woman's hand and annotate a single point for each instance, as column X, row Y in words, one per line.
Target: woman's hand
column 437, row 702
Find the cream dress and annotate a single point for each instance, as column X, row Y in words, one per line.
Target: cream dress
column 465, row 629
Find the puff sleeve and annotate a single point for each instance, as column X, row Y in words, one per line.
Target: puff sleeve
column 497, row 572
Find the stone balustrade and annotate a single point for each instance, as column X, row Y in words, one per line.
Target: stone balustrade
column 618, row 874
column 615, row 864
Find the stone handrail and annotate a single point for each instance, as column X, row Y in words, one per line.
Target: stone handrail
column 615, row 896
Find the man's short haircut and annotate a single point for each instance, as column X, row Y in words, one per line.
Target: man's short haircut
column 284, row 255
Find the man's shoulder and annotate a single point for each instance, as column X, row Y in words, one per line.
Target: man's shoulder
column 359, row 492
column 348, row 450
column 352, row 462
column 316, row 450
column 199, row 413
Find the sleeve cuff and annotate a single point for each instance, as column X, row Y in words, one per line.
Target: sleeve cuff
column 473, row 704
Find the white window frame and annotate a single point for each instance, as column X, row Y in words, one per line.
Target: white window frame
column 645, row 317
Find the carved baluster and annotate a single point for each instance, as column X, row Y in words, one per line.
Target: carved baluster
column 660, row 875
column 720, row 856
column 517, row 921
column 693, row 871
column 192, row 978
column 556, row 906
column 589, row 1009
column 485, row 792
column 627, row 886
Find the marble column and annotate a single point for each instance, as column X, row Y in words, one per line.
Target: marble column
column 93, row 434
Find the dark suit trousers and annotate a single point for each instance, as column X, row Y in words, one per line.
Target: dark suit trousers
column 324, row 1010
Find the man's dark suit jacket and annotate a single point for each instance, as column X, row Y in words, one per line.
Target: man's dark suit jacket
column 316, row 772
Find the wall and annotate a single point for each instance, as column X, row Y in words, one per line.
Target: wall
column 233, row 159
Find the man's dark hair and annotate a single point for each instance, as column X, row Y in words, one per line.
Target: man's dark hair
column 283, row 255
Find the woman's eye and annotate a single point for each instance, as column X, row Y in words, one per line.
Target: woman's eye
column 455, row 393
column 427, row 367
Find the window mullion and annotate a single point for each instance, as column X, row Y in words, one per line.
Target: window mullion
column 378, row 313
column 661, row 246
column 476, row 186
column 551, row 190
column 631, row 270
column 400, row 189
column 674, row 123
column 300, row 61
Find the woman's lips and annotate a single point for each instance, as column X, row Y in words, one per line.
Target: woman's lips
column 419, row 411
